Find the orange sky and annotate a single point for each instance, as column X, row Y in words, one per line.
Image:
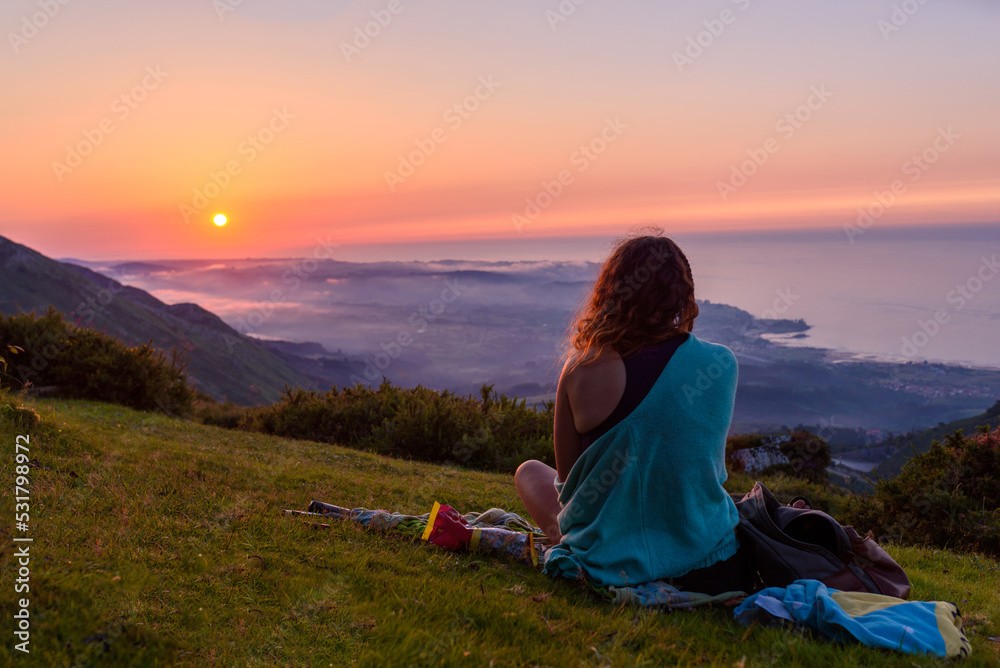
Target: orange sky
column 115, row 113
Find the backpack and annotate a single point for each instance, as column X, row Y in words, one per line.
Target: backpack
column 784, row 544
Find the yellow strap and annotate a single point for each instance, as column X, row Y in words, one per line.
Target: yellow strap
column 474, row 541
column 430, row 521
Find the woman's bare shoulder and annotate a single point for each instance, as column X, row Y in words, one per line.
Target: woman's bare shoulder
column 593, row 389
column 583, row 364
column 595, row 369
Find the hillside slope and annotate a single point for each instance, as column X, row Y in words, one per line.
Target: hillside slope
column 161, row 542
column 223, row 363
column 919, row 442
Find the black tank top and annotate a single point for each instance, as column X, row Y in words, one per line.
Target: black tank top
column 642, row 368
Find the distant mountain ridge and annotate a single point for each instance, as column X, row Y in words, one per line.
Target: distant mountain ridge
column 222, row 362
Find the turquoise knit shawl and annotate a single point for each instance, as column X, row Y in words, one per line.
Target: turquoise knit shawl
column 645, row 501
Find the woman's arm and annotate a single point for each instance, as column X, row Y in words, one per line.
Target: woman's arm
column 585, row 397
column 568, row 443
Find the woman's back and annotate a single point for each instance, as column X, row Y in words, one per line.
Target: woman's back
column 639, row 443
column 641, row 370
column 645, row 501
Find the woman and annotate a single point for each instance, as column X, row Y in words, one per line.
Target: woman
column 642, row 412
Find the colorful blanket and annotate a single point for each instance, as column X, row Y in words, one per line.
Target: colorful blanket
column 916, row 627
column 508, row 535
column 922, row 627
column 659, row 594
column 494, row 531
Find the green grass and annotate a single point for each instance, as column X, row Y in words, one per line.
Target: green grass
column 161, row 542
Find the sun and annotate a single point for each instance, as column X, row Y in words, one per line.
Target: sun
column 220, row 219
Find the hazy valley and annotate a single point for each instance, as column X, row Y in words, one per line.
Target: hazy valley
column 456, row 325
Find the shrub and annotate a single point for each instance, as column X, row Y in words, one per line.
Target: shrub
column 47, row 352
column 22, row 418
column 946, row 497
column 808, row 455
column 823, row 496
column 219, row 414
column 492, row 432
column 744, row 442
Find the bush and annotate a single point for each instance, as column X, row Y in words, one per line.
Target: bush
column 744, row 442
column 209, row 411
column 946, row 497
column 47, row 352
column 823, row 496
column 808, row 455
column 22, row 418
column 492, row 432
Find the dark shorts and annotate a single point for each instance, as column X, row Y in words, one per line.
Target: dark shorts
column 732, row 574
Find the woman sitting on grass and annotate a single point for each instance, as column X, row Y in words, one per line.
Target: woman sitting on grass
column 642, row 412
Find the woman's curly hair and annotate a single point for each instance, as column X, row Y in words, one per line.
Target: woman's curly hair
column 644, row 295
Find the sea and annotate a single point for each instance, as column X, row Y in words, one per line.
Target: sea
column 892, row 293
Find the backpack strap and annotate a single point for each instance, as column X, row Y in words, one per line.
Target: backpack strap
column 803, row 499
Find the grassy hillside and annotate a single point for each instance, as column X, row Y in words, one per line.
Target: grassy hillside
column 161, row 542
column 222, row 362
